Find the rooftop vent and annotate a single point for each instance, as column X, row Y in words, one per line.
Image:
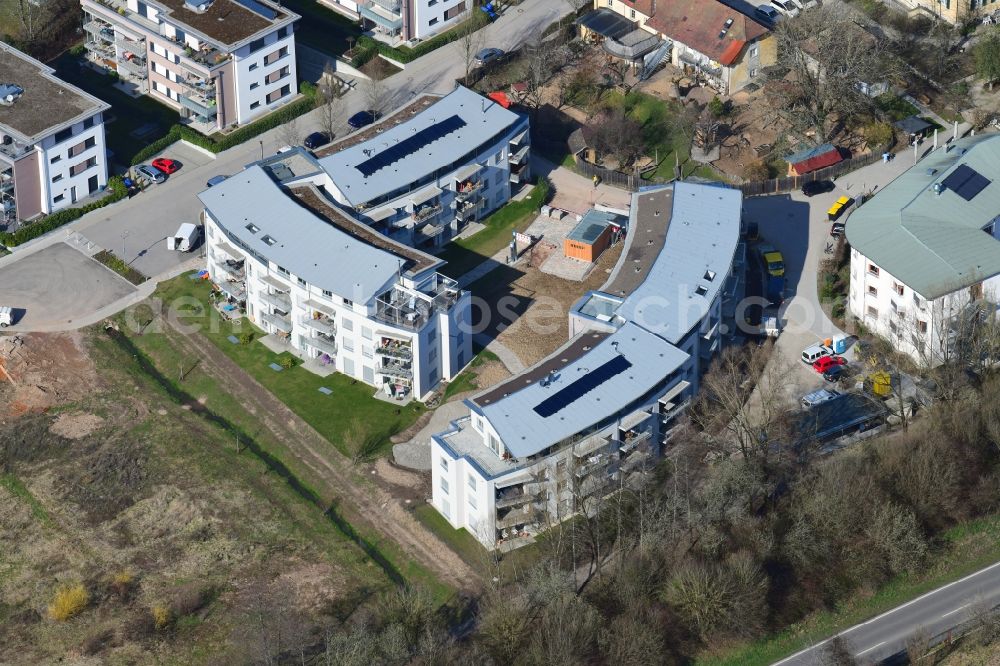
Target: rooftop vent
column 938, row 188
column 198, row 6
column 9, row 93
column 701, row 290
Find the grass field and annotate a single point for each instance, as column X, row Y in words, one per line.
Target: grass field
column 351, row 407
column 466, row 253
column 967, row 548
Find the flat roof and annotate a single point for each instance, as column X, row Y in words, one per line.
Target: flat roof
column 643, row 241
column 227, row 21
column 294, row 237
column 424, row 144
column 696, row 257
column 397, row 117
column 593, row 224
column 934, row 242
column 47, row 105
column 620, row 369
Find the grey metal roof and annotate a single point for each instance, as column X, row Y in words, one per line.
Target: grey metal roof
column 525, row 432
column 309, row 247
column 606, row 22
column 697, row 254
column 478, row 118
column 594, row 222
column 934, row 242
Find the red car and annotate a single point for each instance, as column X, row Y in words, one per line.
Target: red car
column 166, row 165
column 823, row 364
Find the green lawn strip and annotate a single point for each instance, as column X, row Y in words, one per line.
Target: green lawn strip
column 351, row 405
column 466, row 380
column 19, row 490
column 465, row 254
column 895, row 106
column 969, row 548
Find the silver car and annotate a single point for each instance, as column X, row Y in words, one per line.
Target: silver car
column 150, row 173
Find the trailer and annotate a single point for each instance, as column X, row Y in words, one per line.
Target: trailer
column 184, row 239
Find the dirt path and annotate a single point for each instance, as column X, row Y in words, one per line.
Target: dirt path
column 362, row 502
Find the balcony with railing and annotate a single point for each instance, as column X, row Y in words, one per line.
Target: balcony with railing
column 324, row 343
column 517, row 495
column 277, row 300
column 527, row 516
column 230, row 268
column 134, row 66
column 11, row 148
column 123, row 42
column 399, row 369
column 395, row 348
column 520, row 156
column 280, row 321
column 468, row 189
column 427, row 212
column 320, row 324
column 468, row 210
column 385, row 15
column 595, row 463
column 100, row 49
column 101, row 30
column 203, row 104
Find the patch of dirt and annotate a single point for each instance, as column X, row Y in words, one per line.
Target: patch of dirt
column 491, row 373
column 110, row 478
column 391, row 474
column 44, row 370
column 528, row 308
column 75, row 425
column 312, row 584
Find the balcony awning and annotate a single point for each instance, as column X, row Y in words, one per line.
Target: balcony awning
column 230, row 250
column 632, row 420
column 273, row 282
column 380, row 214
column 605, row 22
column 467, row 172
column 425, row 195
column 322, row 307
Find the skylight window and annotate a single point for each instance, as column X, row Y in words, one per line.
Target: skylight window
column 253, row 228
column 268, row 240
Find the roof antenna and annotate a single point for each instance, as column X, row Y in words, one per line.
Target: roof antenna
column 614, row 345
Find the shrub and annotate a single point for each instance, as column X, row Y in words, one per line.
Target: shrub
column 69, row 601
column 286, row 361
column 162, row 617
column 717, row 107
column 78, row 51
column 245, row 337
column 188, row 599
column 879, row 134
column 756, row 170
column 122, row 584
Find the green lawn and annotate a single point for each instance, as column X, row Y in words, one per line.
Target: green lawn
column 19, row 490
column 967, row 549
column 465, row 254
column 895, row 107
column 352, row 407
column 466, row 380
column 130, row 113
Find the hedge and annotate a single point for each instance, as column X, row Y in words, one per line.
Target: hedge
column 116, row 192
column 283, row 115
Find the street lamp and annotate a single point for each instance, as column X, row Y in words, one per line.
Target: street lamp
column 124, row 236
column 262, row 149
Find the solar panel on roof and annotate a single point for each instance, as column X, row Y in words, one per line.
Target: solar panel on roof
column 410, row 145
column 966, row 182
column 258, row 8
column 570, row 394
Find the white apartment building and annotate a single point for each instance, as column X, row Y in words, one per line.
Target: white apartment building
column 398, row 21
column 552, row 441
column 927, row 246
column 218, row 62
column 52, row 150
column 330, row 287
column 424, row 173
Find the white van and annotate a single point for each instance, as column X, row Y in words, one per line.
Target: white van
column 813, row 353
column 185, row 239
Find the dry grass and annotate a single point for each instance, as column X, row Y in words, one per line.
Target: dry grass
column 69, row 601
column 539, row 302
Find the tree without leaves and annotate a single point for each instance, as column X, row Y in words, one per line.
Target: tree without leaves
column 290, row 134
column 823, row 57
column 616, row 135
column 837, row 652
column 471, row 42
column 329, row 102
column 377, row 96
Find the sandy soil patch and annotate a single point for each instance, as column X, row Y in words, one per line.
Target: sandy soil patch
column 75, row 425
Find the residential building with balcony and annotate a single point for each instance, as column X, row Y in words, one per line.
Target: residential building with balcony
column 710, row 38
column 331, row 288
column 593, row 417
column 218, row 62
column 52, row 150
column 422, row 174
column 399, row 21
column 925, row 250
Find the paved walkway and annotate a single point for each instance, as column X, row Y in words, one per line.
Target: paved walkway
column 416, row 454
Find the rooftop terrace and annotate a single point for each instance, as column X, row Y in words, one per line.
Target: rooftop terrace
column 227, row 21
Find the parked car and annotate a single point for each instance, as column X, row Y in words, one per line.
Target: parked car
column 785, row 8
column 774, row 263
column 807, row 4
column 488, row 55
column 215, row 180
column 768, row 13
column 814, row 187
column 835, row 373
column 166, row 165
column 813, row 353
column 816, row 397
column 822, row 364
column 150, row 173
column 315, row 140
column 362, row 118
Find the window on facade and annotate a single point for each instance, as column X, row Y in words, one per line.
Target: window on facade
column 872, row 290
column 872, row 312
column 348, row 344
column 898, row 287
column 56, row 179
column 283, row 32
column 256, row 45
column 922, row 326
column 255, row 84
column 63, row 135
column 90, row 143
column 433, row 376
column 302, row 282
column 873, row 270
column 753, row 52
column 348, row 325
column 477, row 423
column 253, row 66
column 433, row 21
column 499, row 157
column 444, row 486
column 494, row 444
column 367, row 352
column 55, row 159
column 631, row 14
column 432, row 354
column 59, row 198
column 254, row 105
column 472, row 502
column 444, row 464
column 88, row 123
column 472, row 482
column 366, row 333
column 348, row 302
column 281, row 269
column 327, row 294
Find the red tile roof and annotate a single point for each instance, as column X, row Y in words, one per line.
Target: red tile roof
column 642, row 6
column 698, row 23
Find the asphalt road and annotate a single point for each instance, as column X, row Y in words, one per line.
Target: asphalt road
column 938, row 612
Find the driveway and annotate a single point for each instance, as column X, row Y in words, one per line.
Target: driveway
column 56, row 286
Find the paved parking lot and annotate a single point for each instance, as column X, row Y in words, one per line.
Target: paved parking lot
column 56, row 285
